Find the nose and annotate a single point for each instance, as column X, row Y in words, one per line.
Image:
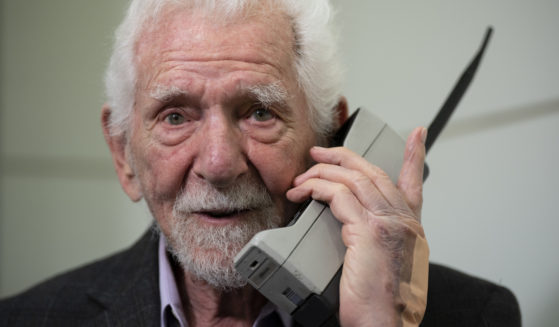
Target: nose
column 221, row 158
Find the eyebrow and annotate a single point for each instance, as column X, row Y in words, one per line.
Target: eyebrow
column 166, row 93
column 269, row 94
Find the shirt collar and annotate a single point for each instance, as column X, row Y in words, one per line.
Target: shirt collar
column 170, row 297
column 168, row 287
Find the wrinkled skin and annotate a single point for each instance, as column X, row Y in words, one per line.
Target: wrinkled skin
column 210, row 129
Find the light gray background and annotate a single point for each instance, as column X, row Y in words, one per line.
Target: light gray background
column 490, row 202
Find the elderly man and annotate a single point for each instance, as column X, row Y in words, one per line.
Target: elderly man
column 216, row 114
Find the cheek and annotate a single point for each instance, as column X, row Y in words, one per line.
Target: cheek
column 161, row 175
column 161, row 171
column 279, row 165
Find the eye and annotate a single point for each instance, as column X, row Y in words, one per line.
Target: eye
column 262, row 114
column 174, row 118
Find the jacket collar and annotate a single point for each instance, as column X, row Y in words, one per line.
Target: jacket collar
column 128, row 288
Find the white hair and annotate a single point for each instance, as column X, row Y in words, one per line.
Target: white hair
column 317, row 66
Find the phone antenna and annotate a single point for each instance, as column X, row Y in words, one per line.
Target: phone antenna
column 455, row 96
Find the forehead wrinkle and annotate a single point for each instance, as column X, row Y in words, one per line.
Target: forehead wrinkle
column 192, row 33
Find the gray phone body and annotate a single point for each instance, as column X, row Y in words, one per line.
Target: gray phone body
column 289, row 264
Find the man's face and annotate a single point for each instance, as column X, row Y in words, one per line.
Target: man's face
column 218, row 105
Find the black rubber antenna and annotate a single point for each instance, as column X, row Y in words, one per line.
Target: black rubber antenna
column 455, row 96
column 442, row 117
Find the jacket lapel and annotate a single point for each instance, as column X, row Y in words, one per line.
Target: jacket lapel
column 128, row 288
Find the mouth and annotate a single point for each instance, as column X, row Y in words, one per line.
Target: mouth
column 223, row 214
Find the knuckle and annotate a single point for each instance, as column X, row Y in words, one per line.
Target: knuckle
column 347, row 155
column 342, row 189
column 379, row 172
column 360, row 181
column 344, row 151
column 318, row 169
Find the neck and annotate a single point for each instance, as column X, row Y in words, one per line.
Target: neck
column 205, row 305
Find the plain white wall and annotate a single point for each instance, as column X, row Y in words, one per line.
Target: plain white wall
column 60, row 202
column 489, row 201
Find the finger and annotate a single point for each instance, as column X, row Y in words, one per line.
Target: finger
column 343, row 203
column 410, row 182
column 351, row 161
column 367, row 193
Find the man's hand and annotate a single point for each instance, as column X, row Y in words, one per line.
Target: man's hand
column 384, row 278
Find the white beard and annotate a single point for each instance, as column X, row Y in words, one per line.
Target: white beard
column 207, row 251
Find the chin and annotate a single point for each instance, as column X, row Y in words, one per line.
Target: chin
column 206, row 245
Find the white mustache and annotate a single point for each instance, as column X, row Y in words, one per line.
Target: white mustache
column 247, row 194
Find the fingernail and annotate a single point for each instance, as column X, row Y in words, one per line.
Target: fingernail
column 423, row 135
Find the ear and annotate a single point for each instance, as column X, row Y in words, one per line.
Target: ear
column 121, row 157
column 341, row 111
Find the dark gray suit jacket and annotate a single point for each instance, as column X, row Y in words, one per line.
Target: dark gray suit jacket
column 123, row 290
